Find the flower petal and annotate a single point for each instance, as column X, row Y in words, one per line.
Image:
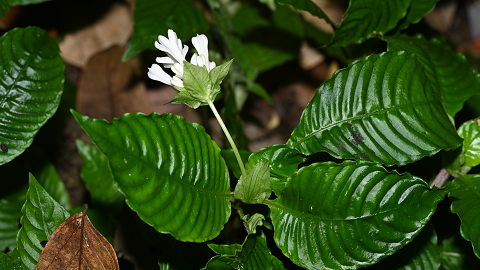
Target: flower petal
column 178, row 69
column 201, row 60
column 175, row 81
column 193, row 60
column 200, row 42
column 158, row 74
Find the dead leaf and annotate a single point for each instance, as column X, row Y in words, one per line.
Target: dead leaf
column 76, row 244
column 109, row 87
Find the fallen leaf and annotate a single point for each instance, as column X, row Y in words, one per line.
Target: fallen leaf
column 76, row 244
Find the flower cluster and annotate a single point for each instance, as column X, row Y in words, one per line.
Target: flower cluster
column 175, row 57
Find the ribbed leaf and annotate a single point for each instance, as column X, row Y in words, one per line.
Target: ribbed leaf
column 470, row 132
column 448, row 72
column 381, row 108
column 369, row 18
column 99, row 180
column 253, row 254
column 456, row 254
column 10, row 214
column 41, row 216
column 421, row 254
column 417, row 9
column 31, row 85
column 10, row 261
column 170, row 172
column 350, row 215
column 309, row 6
column 466, row 204
column 155, row 17
column 283, row 161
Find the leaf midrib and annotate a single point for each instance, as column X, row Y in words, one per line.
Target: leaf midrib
column 32, row 56
column 157, row 170
column 355, row 118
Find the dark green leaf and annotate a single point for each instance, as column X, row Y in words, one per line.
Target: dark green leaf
column 284, row 161
column 41, row 216
column 99, row 180
column 31, row 85
column 10, row 214
column 309, row 6
column 466, row 204
column 368, row 18
column 381, row 108
column 10, row 261
column 457, row 254
column 470, row 132
column 253, row 254
column 25, row 2
column 155, row 17
column 231, row 160
column 183, row 256
column 349, row 215
column 254, row 187
column 170, row 172
column 421, row 254
column 4, row 8
column 448, row 72
column 416, row 11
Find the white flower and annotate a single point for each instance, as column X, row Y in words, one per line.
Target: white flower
column 175, row 57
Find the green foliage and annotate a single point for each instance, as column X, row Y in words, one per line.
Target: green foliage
column 381, row 109
column 25, row 2
column 155, row 17
column 41, row 216
column 254, row 187
column 149, row 165
column 365, row 213
column 466, row 204
column 470, row 133
column 4, row 7
column 283, row 161
column 30, row 87
column 448, row 72
column 10, row 261
column 310, row 7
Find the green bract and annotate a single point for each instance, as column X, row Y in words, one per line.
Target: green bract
column 254, row 187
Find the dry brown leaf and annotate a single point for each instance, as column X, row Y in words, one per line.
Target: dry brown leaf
column 109, row 87
column 76, row 244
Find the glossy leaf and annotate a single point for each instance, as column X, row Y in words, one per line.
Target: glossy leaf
column 99, row 180
column 368, row 18
column 470, row 132
column 309, row 6
column 10, row 260
column 466, row 204
column 169, row 171
column 381, row 108
column 77, row 243
column 254, row 187
column 30, row 87
column 284, row 161
column 349, row 215
column 417, row 9
column 448, row 72
column 181, row 16
column 253, row 254
column 41, row 216
column 4, row 8
column 25, row 2
column 421, row 254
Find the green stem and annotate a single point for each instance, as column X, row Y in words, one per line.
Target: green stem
column 229, row 138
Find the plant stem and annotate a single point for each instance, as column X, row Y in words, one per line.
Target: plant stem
column 229, row 138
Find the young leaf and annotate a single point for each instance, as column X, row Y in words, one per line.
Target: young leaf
column 310, row 7
column 349, row 215
column 470, row 132
column 41, row 216
column 254, row 187
column 251, row 223
column 448, row 72
column 381, row 108
column 253, row 254
column 422, row 254
column 180, row 15
column 99, row 180
column 10, row 260
column 170, row 172
column 466, row 204
column 77, row 243
column 283, row 161
column 368, row 18
column 30, row 87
